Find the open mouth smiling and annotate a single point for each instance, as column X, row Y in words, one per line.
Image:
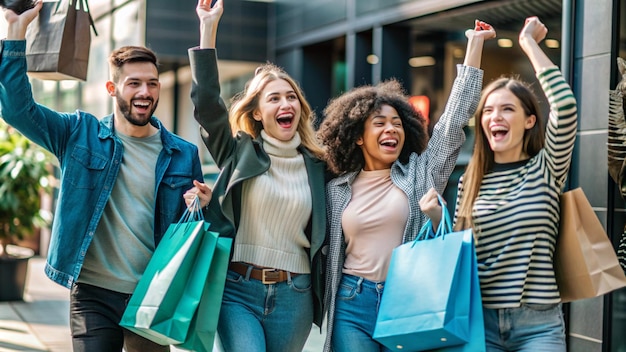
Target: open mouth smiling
column 499, row 132
column 285, row 120
column 390, row 143
column 141, row 104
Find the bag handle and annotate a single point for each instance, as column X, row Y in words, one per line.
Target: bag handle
column 445, row 225
column 193, row 212
column 84, row 6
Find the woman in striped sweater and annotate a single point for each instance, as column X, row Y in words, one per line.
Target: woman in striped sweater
column 509, row 195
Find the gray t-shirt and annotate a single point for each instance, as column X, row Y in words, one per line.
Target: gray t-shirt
column 124, row 239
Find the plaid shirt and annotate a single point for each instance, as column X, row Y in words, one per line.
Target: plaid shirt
column 427, row 170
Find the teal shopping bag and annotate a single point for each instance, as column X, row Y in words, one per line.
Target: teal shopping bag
column 167, row 295
column 435, row 278
column 204, row 324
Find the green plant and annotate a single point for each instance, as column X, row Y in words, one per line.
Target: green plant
column 25, row 171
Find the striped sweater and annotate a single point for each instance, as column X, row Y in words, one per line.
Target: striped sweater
column 516, row 214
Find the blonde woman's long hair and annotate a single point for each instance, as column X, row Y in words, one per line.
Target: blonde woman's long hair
column 483, row 157
column 246, row 102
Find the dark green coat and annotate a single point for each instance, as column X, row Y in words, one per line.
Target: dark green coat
column 241, row 158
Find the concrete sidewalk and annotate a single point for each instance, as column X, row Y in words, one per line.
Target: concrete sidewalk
column 41, row 322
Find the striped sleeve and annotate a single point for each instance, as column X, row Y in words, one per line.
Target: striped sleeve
column 562, row 122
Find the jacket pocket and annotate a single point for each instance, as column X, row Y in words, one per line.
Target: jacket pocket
column 86, row 169
column 171, row 191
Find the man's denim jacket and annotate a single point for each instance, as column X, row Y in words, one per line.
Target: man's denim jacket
column 89, row 155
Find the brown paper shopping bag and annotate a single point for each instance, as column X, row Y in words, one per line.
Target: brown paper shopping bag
column 585, row 262
column 58, row 41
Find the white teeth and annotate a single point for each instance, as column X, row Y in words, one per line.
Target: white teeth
column 389, row 142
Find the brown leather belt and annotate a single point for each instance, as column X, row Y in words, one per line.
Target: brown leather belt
column 265, row 275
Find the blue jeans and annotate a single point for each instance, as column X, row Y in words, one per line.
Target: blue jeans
column 95, row 314
column 356, row 310
column 257, row 318
column 529, row 328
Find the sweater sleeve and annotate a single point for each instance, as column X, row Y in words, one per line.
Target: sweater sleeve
column 562, row 122
column 209, row 108
column 448, row 135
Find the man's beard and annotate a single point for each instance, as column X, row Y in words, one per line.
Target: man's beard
column 134, row 119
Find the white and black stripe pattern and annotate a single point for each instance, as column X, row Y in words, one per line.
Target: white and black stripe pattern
column 516, row 214
column 617, row 155
column 621, row 251
column 429, row 169
column 617, row 140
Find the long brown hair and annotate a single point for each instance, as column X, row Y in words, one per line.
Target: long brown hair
column 483, row 157
column 246, row 102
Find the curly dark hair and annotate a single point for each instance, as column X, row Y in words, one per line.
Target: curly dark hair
column 344, row 124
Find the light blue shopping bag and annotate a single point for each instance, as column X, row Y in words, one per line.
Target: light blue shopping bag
column 435, row 278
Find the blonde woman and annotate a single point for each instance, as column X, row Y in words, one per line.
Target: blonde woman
column 269, row 197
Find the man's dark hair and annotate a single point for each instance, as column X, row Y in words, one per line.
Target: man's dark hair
column 129, row 54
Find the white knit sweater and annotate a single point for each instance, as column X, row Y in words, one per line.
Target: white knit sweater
column 276, row 208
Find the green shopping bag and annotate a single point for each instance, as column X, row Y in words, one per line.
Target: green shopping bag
column 204, row 324
column 168, row 294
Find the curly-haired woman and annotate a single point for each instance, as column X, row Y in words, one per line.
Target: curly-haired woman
column 378, row 146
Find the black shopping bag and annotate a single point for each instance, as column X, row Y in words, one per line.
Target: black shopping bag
column 58, row 41
column 17, row 6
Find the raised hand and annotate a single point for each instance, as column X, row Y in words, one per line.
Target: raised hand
column 533, row 28
column 19, row 23
column 209, row 18
column 530, row 36
column 475, row 39
column 481, row 30
column 208, row 14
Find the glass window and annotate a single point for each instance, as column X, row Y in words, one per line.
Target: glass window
column 126, row 23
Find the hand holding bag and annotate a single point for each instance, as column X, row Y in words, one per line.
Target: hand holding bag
column 168, row 294
column 436, row 279
column 585, row 262
column 58, row 41
column 17, row 6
